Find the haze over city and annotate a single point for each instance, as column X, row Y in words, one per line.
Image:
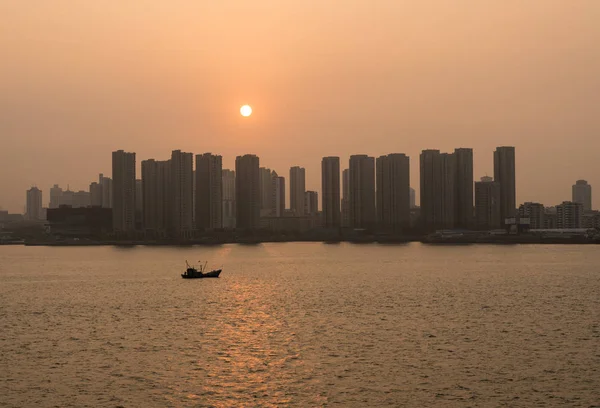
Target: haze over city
column 80, row 80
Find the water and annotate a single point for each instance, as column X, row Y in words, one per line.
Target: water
column 301, row 324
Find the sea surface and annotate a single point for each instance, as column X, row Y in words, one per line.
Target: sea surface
column 302, row 325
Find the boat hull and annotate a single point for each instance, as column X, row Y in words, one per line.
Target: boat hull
column 200, row 275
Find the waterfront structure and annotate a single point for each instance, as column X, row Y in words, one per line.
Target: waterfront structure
column 505, row 174
column 487, row 204
column 209, row 192
column 393, row 192
column 156, row 180
column 463, row 193
column 569, row 215
column 534, row 212
column 228, row 202
column 437, row 189
column 123, row 175
column 181, row 193
column 345, row 222
column 297, row 190
column 362, row 192
column 278, row 195
column 248, row 197
column 311, row 203
column 34, row 204
column 330, row 191
column 582, row 194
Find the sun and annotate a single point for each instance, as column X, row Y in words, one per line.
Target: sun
column 246, row 110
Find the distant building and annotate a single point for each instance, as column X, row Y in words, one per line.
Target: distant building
column 297, row 190
column 107, row 191
column 34, row 204
column 278, row 195
column 209, row 191
column 96, row 194
column 591, row 219
column 437, row 189
column 413, row 198
column 487, row 204
column 505, row 174
column 181, row 191
column 393, row 192
column 582, row 194
column 266, row 190
column 345, row 198
column 463, row 193
column 550, row 218
column 311, row 203
column 228, row 177
column 124, row 188
column 81, row 199
column 569, row 215
column 330, row 191
column 362, row 192
column 248, row 197
column 534, row 212
column 55, row 196
column 156, row 182
column 91, row 222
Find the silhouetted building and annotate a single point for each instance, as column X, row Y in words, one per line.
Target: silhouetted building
column 393, row 192
column 569, row 215
column 156, row 180
column 346, row 198
column 582, row 194
column 91, row 222
column 247, row 189
column 266, row 191
column 182, row 192
column 34, row 204
column 96, row 194
column 504, row 173
column 330, row 190
column 487, row 204
column 362, row 192
column 297, row 190
column 55, row 196
column 139, row 197
column 123, row 171
column 413, row 198
column 209, row 191
column 228, row 179
column 534, row 212
column 550, row 218
column 107, row 191
column 438, row 172
column 591, row 219
column 311, row 203
column 278, row 197
column 463, row 194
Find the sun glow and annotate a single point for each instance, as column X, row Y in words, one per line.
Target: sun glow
column 246, row 110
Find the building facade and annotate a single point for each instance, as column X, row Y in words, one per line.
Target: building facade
column 582, row 194
column 34, row 210
column 311, row 203
column 362, row 192
column 123, row 194
column 345, row 212
column 463, row 194
column 534, row 212
column 156, row 181
column 209, row 192
column 569, row 215
column 437, row 190
column 228, row 177
column 297, row 190
column 248, row 194
column 278, row 194
column 181, row 193
column 393, row 192
column 487, row 204
column 330, row 191
column 505, row 174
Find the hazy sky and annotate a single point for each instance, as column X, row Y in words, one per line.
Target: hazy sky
column 79, row 79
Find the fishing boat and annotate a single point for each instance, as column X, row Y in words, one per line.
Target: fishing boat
column 199, row 272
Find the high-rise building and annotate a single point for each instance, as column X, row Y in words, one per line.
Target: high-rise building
column 81, row 199
column 247, row 190
column 582, row 193
column 266, row 191
column 463, row 194
column 96, row 194
column 297, row 190
column 393, row 192
column 139, row 197
column 569, row 215
column 209, row 191
column 311, row 203
column 438, row 175
column 228, row 177
column 55, row 196
column 278, row 197
column 413, row 198
column 330, row 191
column 34, row 204
column 534, row 212
column 346, row 198
column 487, row 204
column 107, row 191
column 156, row 179
column 362, row 192
column 123, row 195
column 182, row 192
column 504, row 173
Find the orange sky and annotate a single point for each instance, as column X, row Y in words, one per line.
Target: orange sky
column 79, row 79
